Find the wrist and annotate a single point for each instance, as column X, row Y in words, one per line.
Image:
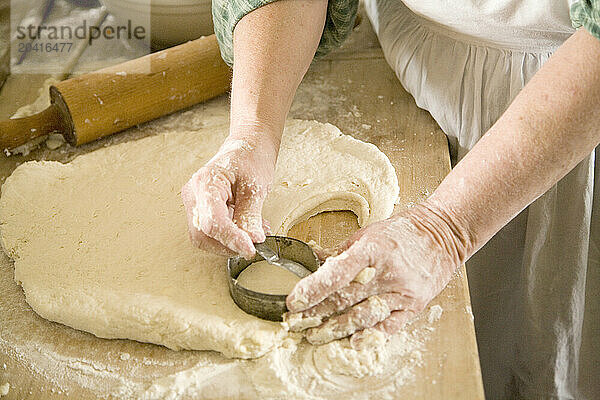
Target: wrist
column 261, row 135
column 446, row 228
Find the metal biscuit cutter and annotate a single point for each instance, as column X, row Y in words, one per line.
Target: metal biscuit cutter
column 291, row 254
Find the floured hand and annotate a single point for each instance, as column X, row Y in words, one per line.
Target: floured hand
column 224, row 199
column 387, row 273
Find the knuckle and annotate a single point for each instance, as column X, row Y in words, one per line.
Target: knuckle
column 212, row 176
column 199, row 177
column 208, row 225
column 324, row 310
column 247, row 221
column 393, row 324
column 331, row 304
column 340, row 300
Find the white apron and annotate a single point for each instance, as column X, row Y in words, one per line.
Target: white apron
column 464, row 61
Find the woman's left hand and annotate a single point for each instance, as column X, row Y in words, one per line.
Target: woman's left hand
column 387, row 273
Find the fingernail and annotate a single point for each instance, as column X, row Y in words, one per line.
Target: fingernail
column 257, row 236
column 296, row 303
column 296, row 322
column 243, row 246
column 250, row 250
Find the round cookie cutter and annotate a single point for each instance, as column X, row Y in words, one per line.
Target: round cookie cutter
column 264, row 305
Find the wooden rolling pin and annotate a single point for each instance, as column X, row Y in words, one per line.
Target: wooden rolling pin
column 94, row 105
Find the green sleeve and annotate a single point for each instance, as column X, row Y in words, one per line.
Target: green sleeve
column 586, row 13
column 227, row 13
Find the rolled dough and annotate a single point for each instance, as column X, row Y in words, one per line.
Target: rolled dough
column 101, row 244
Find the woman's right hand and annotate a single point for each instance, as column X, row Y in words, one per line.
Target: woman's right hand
column 223, row 199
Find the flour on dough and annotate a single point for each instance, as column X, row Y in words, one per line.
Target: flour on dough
column 267, row 278
column 101, row 244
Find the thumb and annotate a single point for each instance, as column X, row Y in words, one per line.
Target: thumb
column 247, row 212
column 335, row 273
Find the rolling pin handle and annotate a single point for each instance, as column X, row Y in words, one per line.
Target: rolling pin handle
column 18, row 131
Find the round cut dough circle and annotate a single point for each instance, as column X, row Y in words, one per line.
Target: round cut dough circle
column 101, row 244
column 263, row 277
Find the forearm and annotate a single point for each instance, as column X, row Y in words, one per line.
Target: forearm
column 273, row 48
column 552, row 125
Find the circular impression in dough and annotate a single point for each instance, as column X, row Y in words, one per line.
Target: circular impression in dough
column 266, row 278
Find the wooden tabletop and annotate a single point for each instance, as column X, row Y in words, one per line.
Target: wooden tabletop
column 356, row 90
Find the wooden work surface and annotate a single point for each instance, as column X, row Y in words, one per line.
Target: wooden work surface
column 354, row 89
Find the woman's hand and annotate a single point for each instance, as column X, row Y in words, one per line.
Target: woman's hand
column 224, row 199
column 387, row 273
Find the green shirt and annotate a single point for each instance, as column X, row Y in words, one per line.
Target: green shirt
column 340, row 20
column 586, row 13
column 227, row 13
